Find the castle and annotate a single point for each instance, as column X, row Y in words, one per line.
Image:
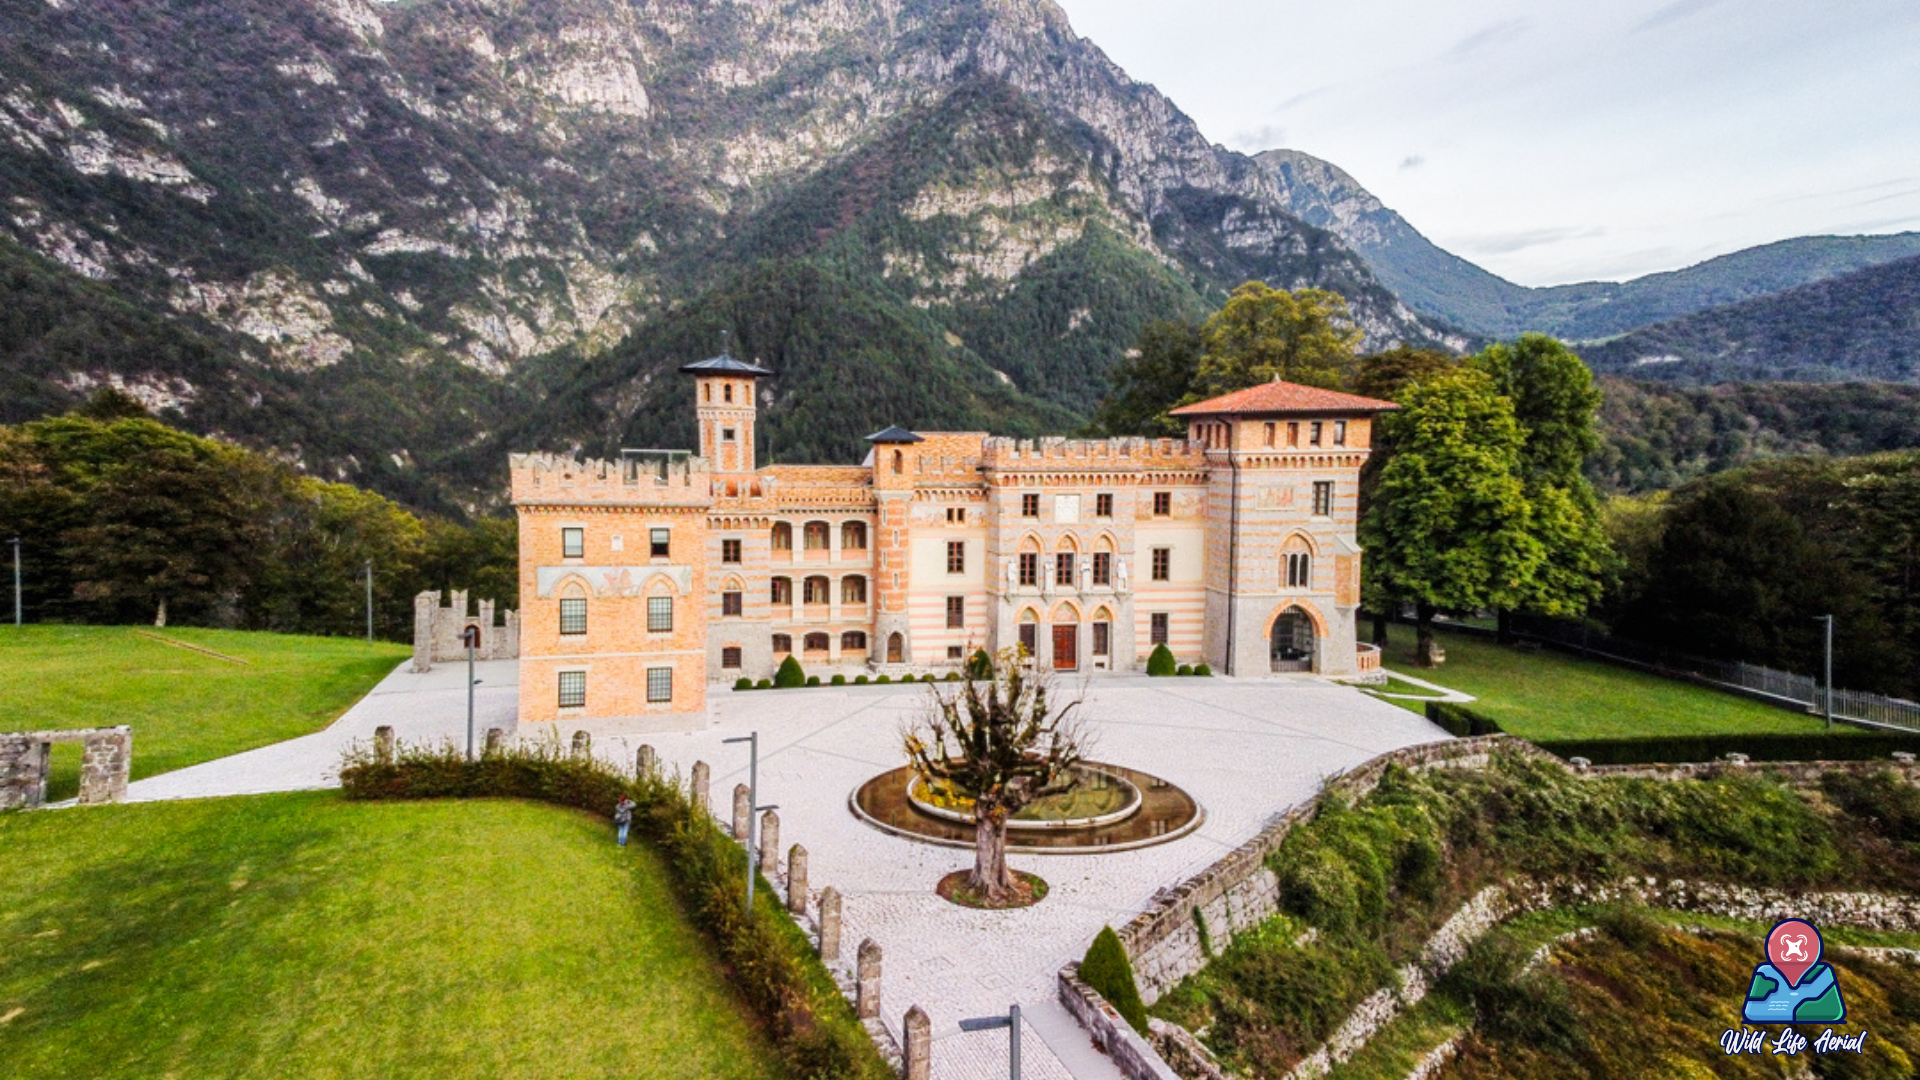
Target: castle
column 645, row 579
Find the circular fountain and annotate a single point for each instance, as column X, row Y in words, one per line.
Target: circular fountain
column 1108, row 808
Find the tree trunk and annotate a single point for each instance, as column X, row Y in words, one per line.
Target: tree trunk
column 1505, row 621
column 991, row 878
column 1423, row 647
column 1380, row 624
column 160, row 616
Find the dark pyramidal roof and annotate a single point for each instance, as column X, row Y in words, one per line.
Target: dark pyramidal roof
column 894, row 434
column 724, row 365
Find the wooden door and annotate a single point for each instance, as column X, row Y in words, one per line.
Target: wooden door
column 1066, row 647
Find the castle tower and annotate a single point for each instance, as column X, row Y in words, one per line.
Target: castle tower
column 724, row 403
column 894, row 465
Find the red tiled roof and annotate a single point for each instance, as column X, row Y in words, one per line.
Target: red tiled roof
column 1284, row 397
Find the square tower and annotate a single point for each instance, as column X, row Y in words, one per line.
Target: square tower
column 724, row 405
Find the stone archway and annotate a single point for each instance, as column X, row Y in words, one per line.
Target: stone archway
column 1293, row 644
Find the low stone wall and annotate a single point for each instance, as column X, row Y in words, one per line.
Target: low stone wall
column 106, row 757
column 1133, row 1055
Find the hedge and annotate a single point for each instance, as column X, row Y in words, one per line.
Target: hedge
column 1677, row 749
column 767, row 958
column 1460, row 721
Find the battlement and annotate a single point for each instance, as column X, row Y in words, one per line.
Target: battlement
column 1055, row 452
column 653, row 478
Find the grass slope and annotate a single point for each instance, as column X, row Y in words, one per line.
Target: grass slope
column 305, row 936
column 1549, row 695
column 184, row 707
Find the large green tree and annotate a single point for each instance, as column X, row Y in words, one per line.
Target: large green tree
column 1450, row 527
column 1386, row 376
column 1263, row 333
column 1554, row 402
column 1157, row 374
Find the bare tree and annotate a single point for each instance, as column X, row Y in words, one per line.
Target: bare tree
column 997, row 741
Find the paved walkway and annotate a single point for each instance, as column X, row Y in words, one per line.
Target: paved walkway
column 1246, row 750
column 421, row 708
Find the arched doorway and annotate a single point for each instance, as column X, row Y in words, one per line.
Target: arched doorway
column 896, row 648
column 1066, row 638
column 1292, row 641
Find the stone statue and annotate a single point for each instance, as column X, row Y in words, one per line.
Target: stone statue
column 1120, row 574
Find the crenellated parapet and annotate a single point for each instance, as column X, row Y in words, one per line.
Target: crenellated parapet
column 640, row 478
column 1132, row 452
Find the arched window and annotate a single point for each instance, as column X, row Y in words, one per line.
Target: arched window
column 853, row 641
column 1065, row 562
column 782, row 536
column 818, row 591
column 818, row 535
column 726, row 391
column 896, row 648
column 1296, row 563
column 1029, row 634
column 899, row 463
column 853, row 536
column 782, row 643
column 853, row 589
column 818, row 642
column 783, row 590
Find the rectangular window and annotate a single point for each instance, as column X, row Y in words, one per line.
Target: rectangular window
column 1270, row 428
column 659, row 614
column 1063, row 569
column 1158, row 634
column 573, row 689
column 1029, row 639
column 1299, row 570
column 1323, row 498
column 1293, row 433
column 729, row 551
column 1103, row 568
column 1030, row 506
column 956, row 652
column 659, row 542
column 573, row 543
column 573, row 616
column 1313, row 432
column 730, row 657
column 1162, row 503
column 1339, row 433
column 1162, row 564
column 1102, row 635
column 726, row 434
column 1029, row 568
column 956, row 557
column 782, row 643
column 956, row 612
column 782, row 590
column 956, row 515
column 731, row 603
column 1103, row 506
column 659, row 684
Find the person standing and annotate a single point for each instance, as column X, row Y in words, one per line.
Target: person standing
column 623, row 817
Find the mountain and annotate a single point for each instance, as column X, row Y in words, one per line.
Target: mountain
column 1446, row 287
column 391, row 240
column 1862, row 325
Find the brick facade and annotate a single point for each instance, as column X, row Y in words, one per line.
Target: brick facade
column 1235, row 544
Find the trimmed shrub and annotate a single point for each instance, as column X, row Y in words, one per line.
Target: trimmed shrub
column 790, row 674
column 1203, row 671
column 860, row 680
column 928, row 677
column 813, row 680
column 743, row 683
column 839, row 680
column 1183, row 670
column 952, row 676
column 1161, row 663
column 980, row 665
column 883, row 680
column 1107, row 969
column 763, row 684
column 1460, row 721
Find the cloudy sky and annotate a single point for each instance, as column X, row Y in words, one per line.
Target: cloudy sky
column 1562, row 140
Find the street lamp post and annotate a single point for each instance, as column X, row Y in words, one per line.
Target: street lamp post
column 1011, row 1022
column 471, row 637
column 369, row 601
column 16, row 579
column 1827, row 679
column 754, row 810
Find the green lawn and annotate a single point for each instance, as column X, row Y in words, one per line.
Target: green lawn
column 307, row 936
column 1547, row 695
column 184, row 707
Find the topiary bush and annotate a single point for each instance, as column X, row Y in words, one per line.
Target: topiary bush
column 952, row 676
column 1184, row 670
column 743, row 683
column 859, row 680
column 763, row 684
column 1161, row 663
column 790, row 674
column 928, row 677
column 813, row 680
column 1203, row 671
column 1107, row 969
column 883, row 680
column 839, row 680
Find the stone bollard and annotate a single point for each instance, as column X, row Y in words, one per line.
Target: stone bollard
column 1903, row 757
column 866, row 998
column 797, row 880
column 105, row 759
column 829, row 924
column 495, row 740
column 699, row 786
column 645, row 764
column 769, row 842
column 742, row 811
column 1737, row 759
column 582, row 744
column 383, row 744
column 919, row 1048
column 1580, row 764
